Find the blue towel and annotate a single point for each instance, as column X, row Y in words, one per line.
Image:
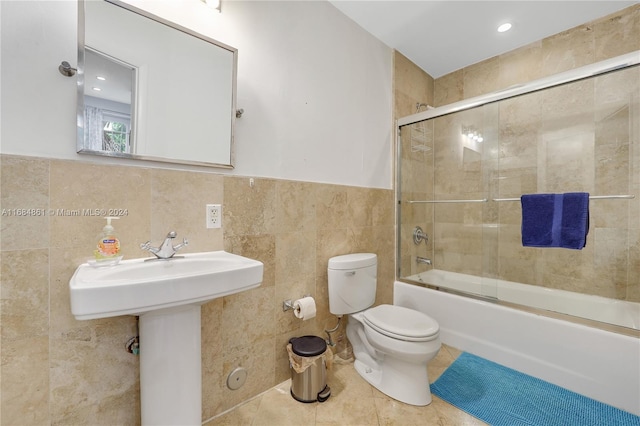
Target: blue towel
column 555, row 220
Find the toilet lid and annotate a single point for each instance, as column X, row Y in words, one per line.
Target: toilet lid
column 401, row 323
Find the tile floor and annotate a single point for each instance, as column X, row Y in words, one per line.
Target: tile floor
column 353, row 402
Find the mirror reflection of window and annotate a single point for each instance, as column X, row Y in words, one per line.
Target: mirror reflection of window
column 108, row 94
column 115, row 132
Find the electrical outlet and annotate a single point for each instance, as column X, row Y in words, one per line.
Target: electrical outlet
column 214, row 215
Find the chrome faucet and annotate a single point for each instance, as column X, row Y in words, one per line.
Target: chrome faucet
column 167, row 249
column 423, row 260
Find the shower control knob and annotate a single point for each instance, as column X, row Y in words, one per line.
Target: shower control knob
column 419, row 235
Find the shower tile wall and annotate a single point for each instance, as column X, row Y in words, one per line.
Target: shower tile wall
column 57, row 370
column 576, row 148
column 413, row 86
column 543, row 144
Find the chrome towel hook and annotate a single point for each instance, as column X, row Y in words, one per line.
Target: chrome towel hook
column 66, row 69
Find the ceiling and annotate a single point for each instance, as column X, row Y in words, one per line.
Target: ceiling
column 444, row 36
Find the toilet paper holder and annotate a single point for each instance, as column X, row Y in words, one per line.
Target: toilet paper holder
column 287, row 305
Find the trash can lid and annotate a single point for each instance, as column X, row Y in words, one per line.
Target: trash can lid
column 308, row 345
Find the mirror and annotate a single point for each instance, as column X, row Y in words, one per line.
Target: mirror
column 108, row 103
column 152, row 90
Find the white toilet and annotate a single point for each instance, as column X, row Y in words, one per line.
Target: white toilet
column 391, row 344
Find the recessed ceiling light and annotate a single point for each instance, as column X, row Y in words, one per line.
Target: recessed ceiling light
column 504, row 27
column 97, row 89
column 101, row 78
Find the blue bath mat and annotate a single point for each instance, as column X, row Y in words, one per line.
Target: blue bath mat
column 501, row 396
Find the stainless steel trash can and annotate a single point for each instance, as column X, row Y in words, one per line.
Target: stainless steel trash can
column 311, row 384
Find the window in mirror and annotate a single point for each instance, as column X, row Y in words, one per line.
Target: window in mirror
column 115, row 133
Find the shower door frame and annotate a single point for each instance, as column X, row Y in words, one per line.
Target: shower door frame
column 593, row 70
column 618, row 63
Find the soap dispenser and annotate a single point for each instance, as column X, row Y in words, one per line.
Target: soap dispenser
column 107, row 251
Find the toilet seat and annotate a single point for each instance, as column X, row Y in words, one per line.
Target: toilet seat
column 401, row 323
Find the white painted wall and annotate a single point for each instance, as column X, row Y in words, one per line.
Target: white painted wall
column 315, row 87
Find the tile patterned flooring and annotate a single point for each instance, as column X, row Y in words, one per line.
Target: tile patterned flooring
column 353, row 401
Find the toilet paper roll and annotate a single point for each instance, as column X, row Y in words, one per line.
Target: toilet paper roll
column 305, row 308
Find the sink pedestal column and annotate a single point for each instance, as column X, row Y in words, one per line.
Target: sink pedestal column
column 170, row 366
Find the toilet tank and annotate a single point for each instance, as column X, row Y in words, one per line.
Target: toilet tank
column 352, row 282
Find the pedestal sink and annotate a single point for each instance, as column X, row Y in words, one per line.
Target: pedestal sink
column 167, row 295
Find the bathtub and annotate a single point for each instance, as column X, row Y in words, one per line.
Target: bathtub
column 599, row 364
column 602, row 309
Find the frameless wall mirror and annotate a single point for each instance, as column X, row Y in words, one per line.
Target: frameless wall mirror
column 152, row 90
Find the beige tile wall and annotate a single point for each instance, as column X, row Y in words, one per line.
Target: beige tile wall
column 413, row 86
column 544, row 146
column 584, row 143
column 57, row 370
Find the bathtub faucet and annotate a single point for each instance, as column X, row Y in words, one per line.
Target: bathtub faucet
column 423, row 260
